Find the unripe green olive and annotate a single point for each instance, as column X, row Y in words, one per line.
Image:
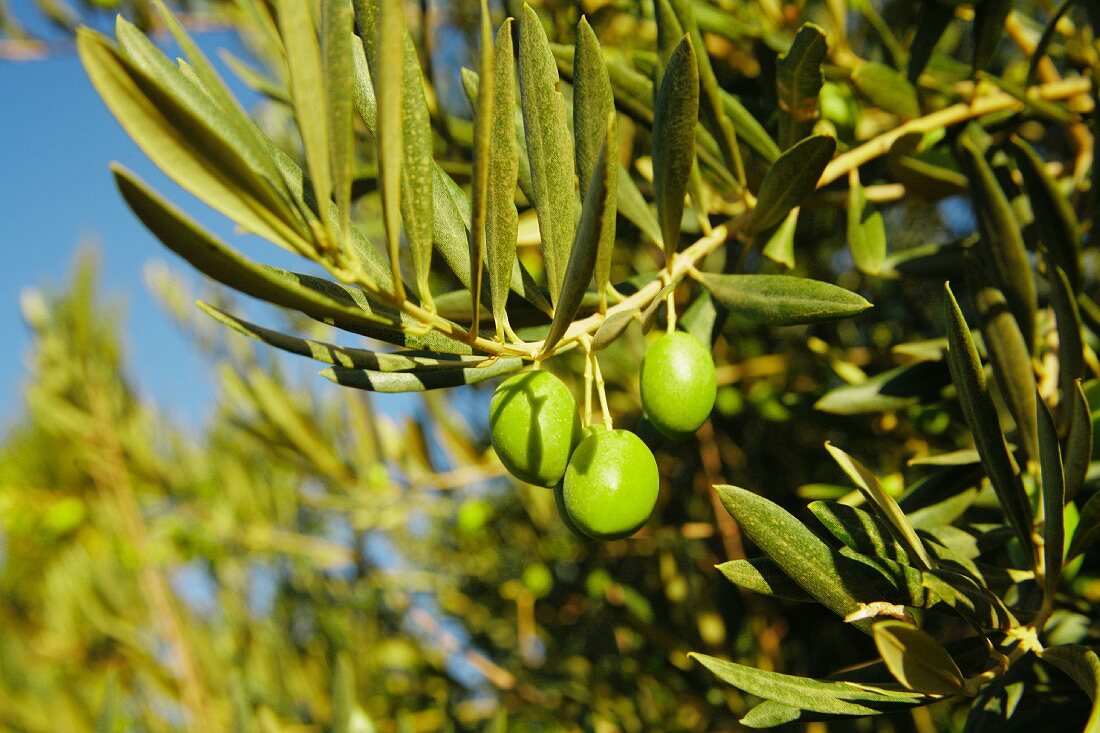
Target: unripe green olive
column 611, row 485
column 678, row 384
column 534, row 426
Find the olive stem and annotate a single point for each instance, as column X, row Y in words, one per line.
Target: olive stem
column 600, row 390
column 587, row 381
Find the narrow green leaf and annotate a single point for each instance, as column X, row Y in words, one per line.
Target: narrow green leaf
column 593, row 105
column 613, row 327
column 916, row 659
column 761, row 575
column 885, row 505
column 307, row 90
column 770, row 714
column 337, row 25
column 345, row 356
column 836, row 698
column 1055, row 221
column 749, row 130
column 798, row 83
column 1088, row 528
column 866, row 229
column 1001, row 252
column 932, row 20
column 925, row 173
column 549, row 148
column 837, row 582
column 417, row 168
column 183, row 144
column 1049, row 30
column 372, row 381
column 783, row 300
column 895, row 389
column 389, row 33
column 501, row 220
column 632, row 205
column 790, row 180
column 1010, row 357
column 860, row 530
column 676, row 112
column 989, row 23
column 1082, row 665
column 1071, row 346
column 887, row 89
column 712, row 105
column 484, row 122
column 585, row 252
column 1054, row 498
column 780, row 245
column 1078, row 442
column 981, row 416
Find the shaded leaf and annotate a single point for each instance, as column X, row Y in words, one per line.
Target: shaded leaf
column 887, row 89
column 916, row 659
column 1055, row 221
column 1082, row 665
column 866, row 229
column 780, row 245
column 1054, row 498
column 676, row 112
column 798, row 84
column 895, row 389
column 981, row 415
column 761, row 575
column 859, row 530
column 790, row 180
column 1078, row 442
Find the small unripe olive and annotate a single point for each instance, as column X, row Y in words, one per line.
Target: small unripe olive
column 611, row 485
column 534, row 426
column 678, row 384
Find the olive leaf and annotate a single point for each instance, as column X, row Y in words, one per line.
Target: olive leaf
column 1054, row 498
column 932, row 20
column 1050, row 28
column 389, row 33
column 1081, row 665
column 1010, row 357
column 783, row 300
column 780, row 245
column 761, row 575
column 837, row 582
column 501, row 220
column 484, row 122
column 860, row 530
column 790, row 180
column 885, row 505
column 549, row 148
column 1078, row 442
column 1088, row 528
column 181, row 137
column 1001, row 252
column 422, row 380
column 676, row 111
column 835, row 698
column 307, row 91
column 612, row 327
column 886, row 88
column 1055, row 221
column 593, row 106
column 770, row 714
column 989, row 22
column 866, row 229
column 1071, row 346
column 981, row 416
column 337, row 26
column 916, row 659
column 798, row 83
column 379, row 361
column 586, row 246
column 895, row 389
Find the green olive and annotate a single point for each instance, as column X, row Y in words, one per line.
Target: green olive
column 534, row 426
column 678, row 384
column 611, row 485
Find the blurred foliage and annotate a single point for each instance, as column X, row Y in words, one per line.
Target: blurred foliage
column 307, row 561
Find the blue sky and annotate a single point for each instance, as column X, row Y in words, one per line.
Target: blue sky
column 56, row 142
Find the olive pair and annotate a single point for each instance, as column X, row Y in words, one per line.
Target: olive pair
column 606, row 480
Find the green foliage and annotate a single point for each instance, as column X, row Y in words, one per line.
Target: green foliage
column 931, row 158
